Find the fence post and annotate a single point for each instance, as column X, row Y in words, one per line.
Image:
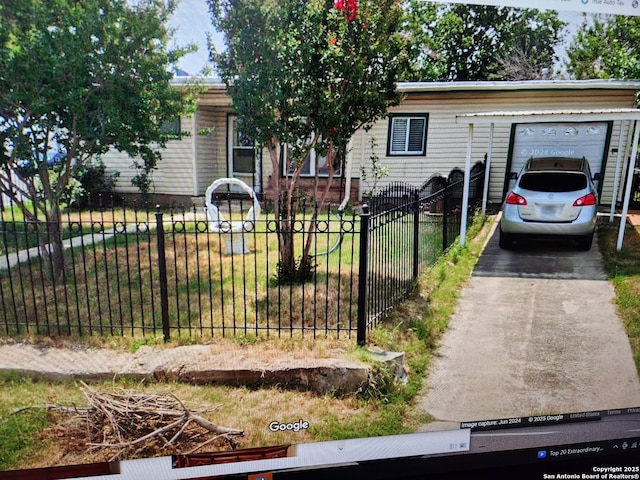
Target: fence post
column 416, row 234
column 363, row 276
column 162, row 271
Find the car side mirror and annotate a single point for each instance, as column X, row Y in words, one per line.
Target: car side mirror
column 513, row 176
column 598, row 176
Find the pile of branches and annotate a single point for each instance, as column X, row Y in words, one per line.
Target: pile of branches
column 130, row 424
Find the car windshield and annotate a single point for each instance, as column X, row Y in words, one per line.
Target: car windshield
column 553, row 181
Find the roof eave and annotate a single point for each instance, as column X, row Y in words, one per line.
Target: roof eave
column 420, row 87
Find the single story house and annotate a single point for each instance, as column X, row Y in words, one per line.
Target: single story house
column 421, row 137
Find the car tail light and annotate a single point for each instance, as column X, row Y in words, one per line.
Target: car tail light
column 589, row 199
column 515, row 199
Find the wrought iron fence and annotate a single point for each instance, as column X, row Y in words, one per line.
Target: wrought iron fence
column 407, row 229
column 172, row 273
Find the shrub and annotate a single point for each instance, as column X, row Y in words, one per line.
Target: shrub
column 95, row 181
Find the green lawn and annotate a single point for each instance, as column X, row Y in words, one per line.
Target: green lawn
column 385, row 407
column 112, row 285
column 623, row 268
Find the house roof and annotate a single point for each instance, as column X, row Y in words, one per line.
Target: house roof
column 417, row 87
column 501, row 86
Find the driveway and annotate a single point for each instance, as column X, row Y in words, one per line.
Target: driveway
column 535, row 332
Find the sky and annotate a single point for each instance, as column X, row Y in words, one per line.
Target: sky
column 192, row 22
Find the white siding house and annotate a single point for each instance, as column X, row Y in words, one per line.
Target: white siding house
column 446, row 139
column 420, row 138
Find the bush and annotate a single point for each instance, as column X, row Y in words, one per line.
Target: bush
column 95, row 181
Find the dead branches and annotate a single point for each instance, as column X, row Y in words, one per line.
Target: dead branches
column 128, row 424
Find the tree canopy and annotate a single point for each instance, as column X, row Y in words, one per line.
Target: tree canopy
column 80, row 77
column 304, row 75
column 84, row 76
column 608, row 47
column 473, row 42
column 299, row 69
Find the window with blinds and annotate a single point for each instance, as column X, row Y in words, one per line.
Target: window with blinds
column 407, row 135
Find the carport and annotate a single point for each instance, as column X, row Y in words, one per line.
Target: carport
column 626, row 116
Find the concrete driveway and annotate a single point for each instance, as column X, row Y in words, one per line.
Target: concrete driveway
column 535, row 332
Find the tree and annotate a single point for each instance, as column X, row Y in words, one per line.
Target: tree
column 79, row 77
column 304, row 75
column 472, row 42
column 607, row 47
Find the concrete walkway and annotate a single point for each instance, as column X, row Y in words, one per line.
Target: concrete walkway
column 11, row 260
column 535, row 332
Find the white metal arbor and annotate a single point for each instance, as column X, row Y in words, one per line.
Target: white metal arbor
column 622, row 115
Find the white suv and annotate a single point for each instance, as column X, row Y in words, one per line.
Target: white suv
column 552, row 197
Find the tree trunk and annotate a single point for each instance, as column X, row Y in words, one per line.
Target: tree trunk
column 291, row 270
column 51, row 245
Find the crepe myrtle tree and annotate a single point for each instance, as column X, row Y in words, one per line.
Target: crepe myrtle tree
column 80, row 77
column 304, row 75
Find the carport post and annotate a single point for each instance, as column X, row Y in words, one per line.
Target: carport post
column 487, row 169
column 465, row 189
column 616, row 177
column 627, row 193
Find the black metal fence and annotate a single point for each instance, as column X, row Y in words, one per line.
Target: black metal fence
column 172, row 273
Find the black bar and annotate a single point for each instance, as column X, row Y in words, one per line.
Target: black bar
column 196, row 229
column 362, row 276
column 162, row 272
column 416, row 235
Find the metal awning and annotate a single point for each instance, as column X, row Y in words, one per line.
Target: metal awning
column 531, row 116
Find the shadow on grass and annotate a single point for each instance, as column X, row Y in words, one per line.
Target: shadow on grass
column 625, row 262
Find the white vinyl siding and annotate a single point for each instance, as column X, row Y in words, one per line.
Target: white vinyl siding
column 174, row 173
column 407, row 135
column 446, row 141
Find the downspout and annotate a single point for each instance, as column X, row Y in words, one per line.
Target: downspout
column 465, row 191
column 347, row 178
column 487, row 169
column 345, row 200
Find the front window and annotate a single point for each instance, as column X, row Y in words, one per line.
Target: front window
column 243, row 151
column 315, row 164
column 407, row 135
column 171, row 128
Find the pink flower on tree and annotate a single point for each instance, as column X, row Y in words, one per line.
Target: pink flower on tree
column 349, row 7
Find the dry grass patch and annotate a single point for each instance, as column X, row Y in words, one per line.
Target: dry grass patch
column 65, row 442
